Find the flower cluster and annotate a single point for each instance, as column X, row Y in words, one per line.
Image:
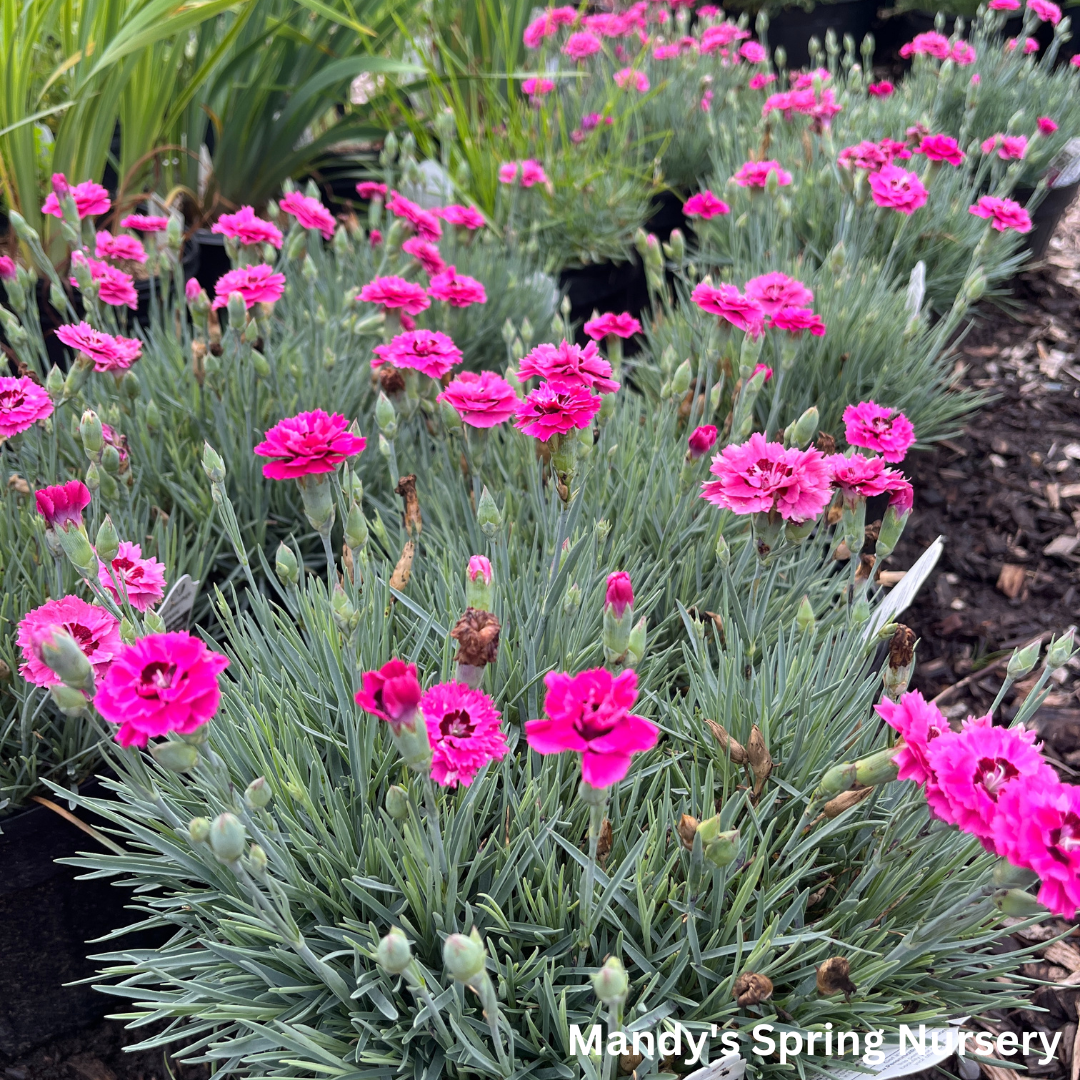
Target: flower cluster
column 772, row 299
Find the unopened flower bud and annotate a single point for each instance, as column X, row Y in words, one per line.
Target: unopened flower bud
column 720, row 847
column 71, row 702
column 296, row 246
column 154, row 623
column 199, row 830
column 257, row 861
column 237, row 310
column 257, row 795
column 385, row 416
column 610, row 983
column 1017, row 904
column 286, row 566
column 1061, row 648
column 723, row 551
column 463, row 956
column 356, row 528
column 635, row 647
column 804, row 617
column 91, row 435
column 173, row 234
column 397, row 802
column 680, row 380
column 212, row 464
column 346, row 616
column 227, row 838
column 60, row 653
column 55, row 383
column 393, row 953
column 478, row 579
column 804, row 429
column 178, row 757
column 975, row 286
column 107, row 542
column 1023, row 660
column 488, row 516
column 572, row 599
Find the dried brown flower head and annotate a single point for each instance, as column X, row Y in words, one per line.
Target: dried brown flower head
column 687, row 830
column 834, row 977
column 391, row 381
column 901, row 647
column 477, row 635
column 751, row 989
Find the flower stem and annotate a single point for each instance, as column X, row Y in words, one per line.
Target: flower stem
column 597, row 800
column 331, row 566
column 432, row 808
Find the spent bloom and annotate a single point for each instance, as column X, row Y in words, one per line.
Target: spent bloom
column 427, row 351
column 897, row 189
column 482, row 400
column 62, row 504
column 755, row 174
column 425, row 253
column 392, row 694
column 554, row 410
column 919, row 723
column 90, row 198
column 1008, row 147
column 256, row 284
column 109, row 352
column 569, row 366
column 797, row 319
column 701, row 441
column 457, row 290
column 393, row 292
column 246, row 227
column 581, row 45
column 589, row 713
column 705, row 205
column 309, row 212
column 149, row 223
column 161, row 683
column 96, row 632
column 1002, row 214
column 22, row 404
column 466, row 217
column 621, row 325
column 774, row 291
column 941, row 148
column 122, row 246
column 874, row 427
column 310, row 442
column 729, row 304
column 142, row 580
column 760, row 477
column 619, row 594
column 464, row 730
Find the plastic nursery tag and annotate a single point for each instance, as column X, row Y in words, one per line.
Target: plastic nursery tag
column 176, row 608
column 1064, row 169
column 730, row 1067
column 905, row 589
column 937, row 1045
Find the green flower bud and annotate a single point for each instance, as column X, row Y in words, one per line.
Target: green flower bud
column 227, row 838
column 860, row 612
column 199, row 830
column 393, row 953
column 1007, row 876
column 257, row 860
column 260, row 364
column 212, row 464
column 384, row 446
column 129, row 385
column 110, row 459
column 892, row 528
column 975, row 286
column 1060, row 650
column 344, row 611
column 386, row 416
column 635, row 648
column 90, row 433
column 178, row 757
column 572, row 600
column 719, row 847
column 488, row 516
column 93, row 477
column 154, row 623
column 71, row 702
column 173, row 234
column 804, row 617
column 723, row 552
column 356, row 528
column 610, row 983
column 526, row 331
column 805, row 428
column 153, row 416
column 55, row 383
column 1023, row 660
column 107, row 542
column 1017, row 904
column 397, row 802
column 680, row 381
column 450, row 417
column 677, row 243
column 237, row 310
column 258, row 794
column 463, row 956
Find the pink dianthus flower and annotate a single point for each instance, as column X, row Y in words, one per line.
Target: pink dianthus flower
column 776, row 290
column 308, row 443
column 874, row 427
column 753, row 52
column 256, row 284
column 150, row 223
column 919, row 723
column 702, row 439
column 90, row 198
column 755, row 174
column 479, row 567
column 428, row 351
column 1046, row 126
column 622, row 325
column 22, row 404
column 569, row 366
column 858, row 477
column 895, row 188
column 705, row 205
column 941, row 148
column 554, row 410
column 142, row 580
column 619, row 594
column 96, row 632
column 1008, row 147
column 425, row 253
column 482, row 400
column 371, row 189
column 797, row 319
column 61, row 505
column 1046, row 11
column 1003, row 214
column 309, row 212
column 466, row 217
column 881, row 89
column 581, row 45
column 122, row 246
column 249, row 229
column 395, row 293
column 632, row 77
column 425, row 223
column 761, row 80
column 457, row 290
column 729, row 304
column 392, row 694
column 537, row 87
column 464, row 730
column 108, row 351
column 931, row 44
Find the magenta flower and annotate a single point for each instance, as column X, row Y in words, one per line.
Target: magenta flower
column 309, row 212
column 729, row 304
column 62, row 504
column 482, row 400
column 1003, row 214
column 192, row 289
column 1046, row 126
column 665, row 52
column 464, row 730
column 249, row 229
column 701, row 441
column 375, row 238
column 941, row 148
column 753, row 52
column 371, row 189
column 761, row 80
column 310, row 442
column 1046, row 11
column 109, row 352
column 762, row 367
column 903, row 495
column 874, row 427
column 706, row 104
column 90, row 198
column 554, row 410
column 114, row 438
column 858, row 477
column 620, row 593
column 797, row 319
column 895, row 188
column 532, row 172
column 392, row 694
column 508, row 172
column 623, row 325
column 972, row 768
column 424, row 222
column 589, row 713
column 161, row 683
column 395, row 292
column 930, row 44
column 774, row 291
column 547, row 24
column 1031, row 45
column 479, row 567
column 568, row 367
column 919, row 722
column 721, row 36
column 632, row 77
column 107, row 246
column 141, row 580
column 804, row 80
column 458, row 290
column 755, row 174
column 95, row 631
column 1004, row 5
column 145, row 223
column 537, row 87
column 1009, row 147
column 760, row 477
column 428, row 351
column 256, row 284
column 22, row 404
column 962, row 54
column 1037, row 826
column 425, row 253
column 1075, row 60
column 705, row 205
column 870, row 156
column 466, row 217
column 8, row 271
column 114, row 286
column 881, row 89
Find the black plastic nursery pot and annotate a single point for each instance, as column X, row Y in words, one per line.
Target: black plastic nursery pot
column 793, row 27
column 1047, row 216
column 46, row 920
column 212, row 259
